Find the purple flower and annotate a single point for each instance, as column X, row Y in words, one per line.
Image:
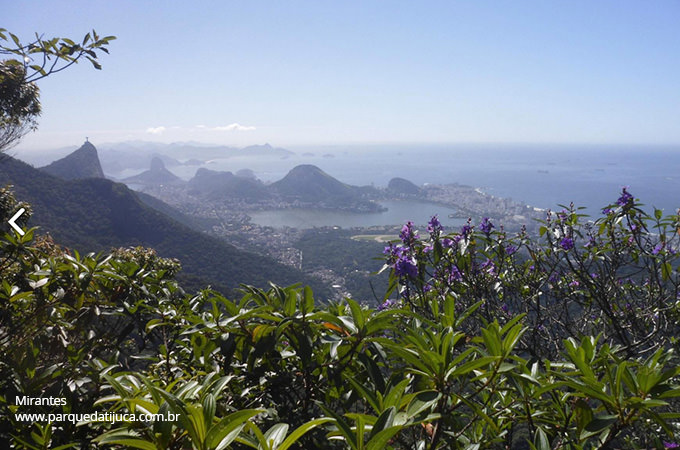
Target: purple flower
column 434, row 225
column 671, row 445
column 510, row 249
column 448, row 243
column 574, row 283
column 466, row 230
column 455, row 274
column 504, row 308
column 567, row 243
column 406, row 267
column 607, row 211
column 387, row 304
column 657, row 249
column 408, row 234
column 625, row 198
column 394, row 251
column 486, row 225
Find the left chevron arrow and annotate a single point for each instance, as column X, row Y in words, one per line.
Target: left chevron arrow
column 12, row 221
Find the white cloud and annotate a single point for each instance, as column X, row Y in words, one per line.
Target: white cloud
column 234, row 127
column 156, row 130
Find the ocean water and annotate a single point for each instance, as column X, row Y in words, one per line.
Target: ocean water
column 539, row 175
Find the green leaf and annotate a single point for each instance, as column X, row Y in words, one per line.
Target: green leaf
column 541, row 441
column 126, row 438
column 357, row 313
column 275, row 435
column 666, row 271
column 366, row 394
column 222, row 433
column 422, row 401
column 598, row 425
column 385, row 420
column 301, row 430
column 658, row 213
column 308, row 304
column 380, row 440
column 584, row 415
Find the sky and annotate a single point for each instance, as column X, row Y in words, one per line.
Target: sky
column 355, row 72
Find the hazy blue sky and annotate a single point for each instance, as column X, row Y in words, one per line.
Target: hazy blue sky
column 322, row 72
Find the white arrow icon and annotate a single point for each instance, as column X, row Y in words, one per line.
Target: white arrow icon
column 14, row 225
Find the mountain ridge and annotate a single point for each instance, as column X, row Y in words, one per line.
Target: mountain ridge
column 82, row 163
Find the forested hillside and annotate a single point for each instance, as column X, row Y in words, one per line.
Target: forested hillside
column 97, row 214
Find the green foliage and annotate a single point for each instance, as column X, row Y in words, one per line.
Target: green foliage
column 27, row 63
column 442, row 366
column 43, row 57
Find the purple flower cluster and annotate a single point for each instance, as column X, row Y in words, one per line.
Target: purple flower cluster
column 625, row 198
column 658, row 248
column 486, row 225
column 408, row 235
column 434, row 226
column 406, row 267
column 567, row 243
column 455, row 274
column 402, row 256
column 510, row 249
column 393, row 250
column 448, row 243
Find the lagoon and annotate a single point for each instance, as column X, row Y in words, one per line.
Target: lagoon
column 398, row 213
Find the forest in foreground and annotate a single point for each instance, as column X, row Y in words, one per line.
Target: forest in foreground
column 484, row 339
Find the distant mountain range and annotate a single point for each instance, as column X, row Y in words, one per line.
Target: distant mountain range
column 95, row 214
column 304, row 186
column 118, row 157
column 156, row 175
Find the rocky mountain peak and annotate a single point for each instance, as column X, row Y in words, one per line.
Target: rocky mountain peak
column 82, row 163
